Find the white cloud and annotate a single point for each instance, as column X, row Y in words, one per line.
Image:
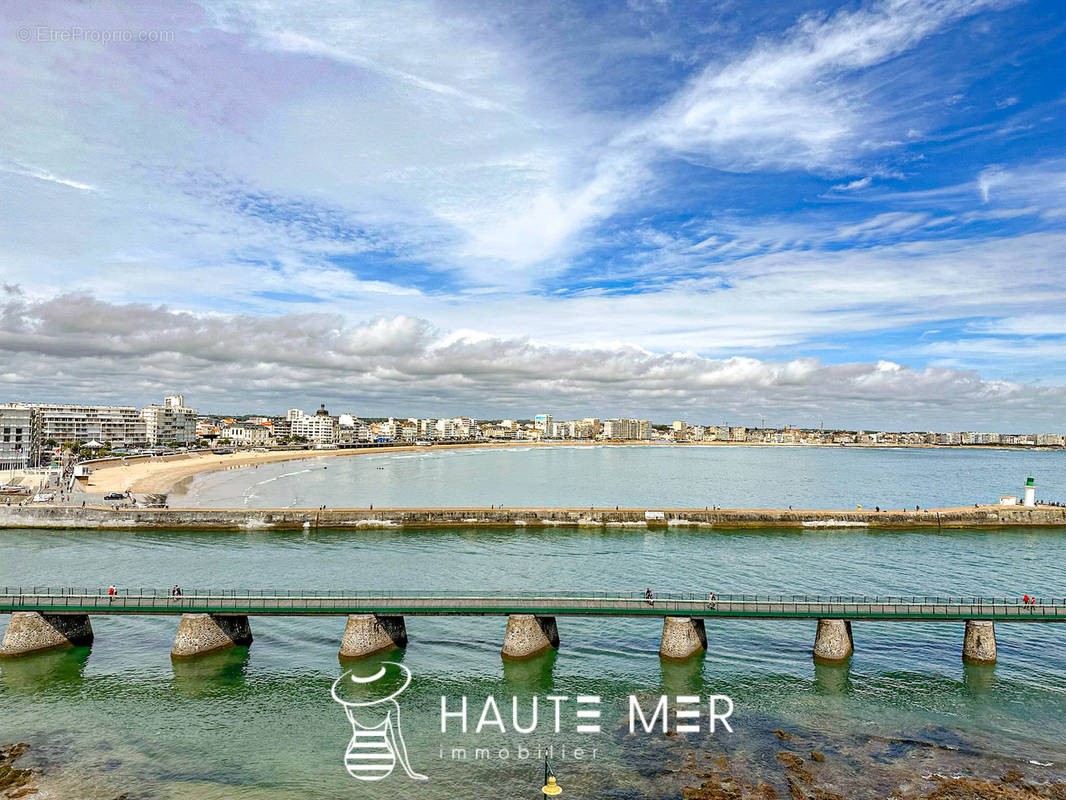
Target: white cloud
column 794, row 102
column 43, row 175
column 850, row 186
column 75, row 346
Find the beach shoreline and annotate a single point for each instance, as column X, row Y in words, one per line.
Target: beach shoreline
column 163, row 475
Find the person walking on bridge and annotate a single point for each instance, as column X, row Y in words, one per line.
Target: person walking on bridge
column 649, row 596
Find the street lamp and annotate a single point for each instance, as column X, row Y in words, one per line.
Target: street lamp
column 551, row 787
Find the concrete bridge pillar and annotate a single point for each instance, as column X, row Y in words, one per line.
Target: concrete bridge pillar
column 683, row 637
column 32, row 632
column 833, row 643
column 529, row 634
column 979, row 642
column 366, row 634
column 206, row 633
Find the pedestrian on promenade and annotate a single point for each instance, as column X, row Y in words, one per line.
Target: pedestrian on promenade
column 176, row 591
column 649, row 598
column 712, row 600
column 111, row 592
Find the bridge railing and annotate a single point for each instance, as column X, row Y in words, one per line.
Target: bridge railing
column 531, row 594
column 701, row 603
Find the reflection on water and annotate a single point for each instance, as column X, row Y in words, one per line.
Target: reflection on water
column 682, row 677
column 531, row 676
column 832, row 679
column 209, row 674
column 55, row 670
column 980, row 679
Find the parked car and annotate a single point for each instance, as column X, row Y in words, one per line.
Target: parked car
column 114, row 496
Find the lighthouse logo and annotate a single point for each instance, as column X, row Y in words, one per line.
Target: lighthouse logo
column 370, row 704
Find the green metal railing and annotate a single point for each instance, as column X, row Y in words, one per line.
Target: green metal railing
column 151, row 600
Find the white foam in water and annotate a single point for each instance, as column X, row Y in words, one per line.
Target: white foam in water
column 834, row 523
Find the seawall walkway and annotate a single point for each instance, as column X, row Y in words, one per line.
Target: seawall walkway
column 45, row 516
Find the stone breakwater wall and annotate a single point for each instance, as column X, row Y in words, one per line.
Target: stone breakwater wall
column 43, row 516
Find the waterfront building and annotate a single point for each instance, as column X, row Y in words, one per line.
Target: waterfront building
column 248, row 434
column 170, row 422
column 117, row 425
column 319, row 428
column 559, row 430
column 19, row 436
column 500, row 431
column 580, row 429
column 626, row 429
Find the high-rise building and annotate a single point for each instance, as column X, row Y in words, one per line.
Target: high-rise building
column 627, row 429
column 320, row 427
column 19, row 436
column 170, row 422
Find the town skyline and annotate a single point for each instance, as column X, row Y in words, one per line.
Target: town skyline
column 34, row 434
column 752, row 418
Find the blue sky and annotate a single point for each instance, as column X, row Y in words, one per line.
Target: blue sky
column 853, row 212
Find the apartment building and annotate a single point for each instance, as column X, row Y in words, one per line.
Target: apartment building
column 19, row 436
column 170, row 422
column 116, row 425
column 626, row 429
column 320, row 427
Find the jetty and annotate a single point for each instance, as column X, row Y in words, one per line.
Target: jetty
column 103, row 517
column 44, row 618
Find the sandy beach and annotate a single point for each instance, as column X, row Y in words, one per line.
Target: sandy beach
column 160, row 475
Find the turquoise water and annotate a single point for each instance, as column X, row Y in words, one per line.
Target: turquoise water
column 640, row 476
column 258, row 722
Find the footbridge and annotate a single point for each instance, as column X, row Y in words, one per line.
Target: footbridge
column 47, row 617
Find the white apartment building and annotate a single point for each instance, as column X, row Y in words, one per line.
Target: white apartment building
column 66, row 422
column 19, row 440
column 543, row 422
column 627, row 429
column 456, row 428
column 170, row 422
column 319, row 428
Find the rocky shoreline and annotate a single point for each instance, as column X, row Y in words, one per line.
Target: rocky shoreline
column 15, row 781
column 896, row 768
